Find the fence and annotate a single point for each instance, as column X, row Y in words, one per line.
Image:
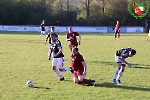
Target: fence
column 108, row 29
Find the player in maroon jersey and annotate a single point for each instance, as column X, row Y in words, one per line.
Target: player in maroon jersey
column 117, row 30
column 78, row 66
column 72, row 37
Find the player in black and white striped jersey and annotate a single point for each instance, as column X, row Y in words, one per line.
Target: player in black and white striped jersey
column 42, row 29
column 49, row 37
column 120, row 58
column 57, row 56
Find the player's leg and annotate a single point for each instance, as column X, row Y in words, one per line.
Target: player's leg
column 84, row 81
column 115, row 34
column 75, row 78
column 70, row 46
column 148, row 37
column 54, row 64
column 117, row 69
column 118, row 31
column 121, row 70
column 120, row 73
column 61, row 65
column 44, row 33
column 41, row 34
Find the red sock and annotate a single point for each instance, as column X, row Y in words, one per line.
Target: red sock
column 85, row 81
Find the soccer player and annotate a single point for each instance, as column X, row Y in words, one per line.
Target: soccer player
column 43, row 29
column 120, row 58
column 48, row 37
column 58, row 57
column 148, row 36
column 78, row 66
column 72, row 37
column 117, row 30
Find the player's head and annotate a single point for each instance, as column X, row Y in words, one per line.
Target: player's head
column 132, row 52
column 43, row 21
column 52, row 29
column 70, row 29
column 117, row 22
column 53, row 37
column 75, row 51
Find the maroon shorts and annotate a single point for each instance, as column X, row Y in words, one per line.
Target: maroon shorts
column 117, row 31
column 72, row 46
column 77, row 73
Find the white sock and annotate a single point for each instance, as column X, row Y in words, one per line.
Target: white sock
column 119, row 74
column 58, row 73
column 66, row 69
column 116, row 73
column 40, row 36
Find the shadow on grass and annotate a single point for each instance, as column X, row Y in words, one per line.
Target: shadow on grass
column 111, row 85
column 38, row 87
column 26, row 41
column 114, row 64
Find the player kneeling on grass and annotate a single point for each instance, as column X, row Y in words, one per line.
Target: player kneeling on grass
column 78, row 66
column 120, row 58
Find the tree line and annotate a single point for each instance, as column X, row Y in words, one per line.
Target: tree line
column 68, row 12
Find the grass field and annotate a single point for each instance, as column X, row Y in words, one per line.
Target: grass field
column 23, row 57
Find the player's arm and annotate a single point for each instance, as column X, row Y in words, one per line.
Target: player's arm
column 46, row 39
column 59, row 52
column 84, row 65
column 67, row 38
column 60, row 49
column 41, row 26
column 122, row 59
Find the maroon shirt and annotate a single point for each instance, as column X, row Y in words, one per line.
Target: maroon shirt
column 74, row 38
column 76, row 62
column 117, row 26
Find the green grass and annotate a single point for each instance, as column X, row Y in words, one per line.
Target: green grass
column 23, row 57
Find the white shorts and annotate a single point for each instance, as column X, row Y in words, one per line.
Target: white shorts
column 58, row 62
column 117, row 58
column 43, row 32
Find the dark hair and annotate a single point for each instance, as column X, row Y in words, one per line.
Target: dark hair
column 52, row 27
column 133, row 52
column 76, row 49
column 54, row 34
